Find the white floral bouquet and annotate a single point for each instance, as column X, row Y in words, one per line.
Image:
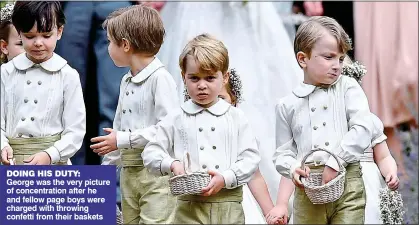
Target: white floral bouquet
column 355, row 70
column 119, row 220
column 391, row 206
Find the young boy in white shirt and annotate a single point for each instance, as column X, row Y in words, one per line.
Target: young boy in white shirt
column 215, row 134
column 147, row 95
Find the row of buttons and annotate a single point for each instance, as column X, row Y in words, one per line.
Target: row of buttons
column 124, row 111
column 29, row 82
column 127, row 93
column 201, row 129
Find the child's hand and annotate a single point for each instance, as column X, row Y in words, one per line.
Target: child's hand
column 278, row 214
column 177, row 168
column 328, row 174
column 300, row 173
column 6, row 155
column 217, row 182
column 106, row 143
column 40, row 158
column 392, row 181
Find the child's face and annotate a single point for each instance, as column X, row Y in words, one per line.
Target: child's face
column 40, row 46
column 13, row 46
column 203, row 88
column 118, row 53
column 325, row 64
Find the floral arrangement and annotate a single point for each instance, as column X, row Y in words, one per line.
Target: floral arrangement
column 355, row 70
column 119, row 220
column 6, row 12
column 391, row 206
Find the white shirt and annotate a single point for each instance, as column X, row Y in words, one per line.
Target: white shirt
column 144, row 100
column 217, row 138
column 40, row 100
column 337, row 119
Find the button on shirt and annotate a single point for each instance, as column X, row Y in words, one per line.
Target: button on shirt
column 144, row 100
column 336, row 118
column 217, row 138
column 40, row 100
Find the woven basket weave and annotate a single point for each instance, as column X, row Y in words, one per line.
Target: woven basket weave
column 329, row 192
column 190, row 183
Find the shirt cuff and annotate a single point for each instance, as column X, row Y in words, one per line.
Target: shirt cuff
column 54, row 154
column 229, row 179
column 378, row 140
column 165, row 165
column 123, row 139
column 4, row 144
column 332, row 163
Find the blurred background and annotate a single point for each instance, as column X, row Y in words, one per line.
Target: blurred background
column 384, row 35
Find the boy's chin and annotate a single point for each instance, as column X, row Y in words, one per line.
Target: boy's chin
column 206, row 102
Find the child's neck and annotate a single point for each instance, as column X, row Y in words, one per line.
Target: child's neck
column 206, row 105
column 139, row 62
column 36, row 61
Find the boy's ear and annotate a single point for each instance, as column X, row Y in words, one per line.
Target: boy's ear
column 126, row 45
column 60, row 32
column 3, row 47
column 226, row 77
column 302, row 58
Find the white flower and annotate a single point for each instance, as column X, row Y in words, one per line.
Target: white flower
column 391, row 206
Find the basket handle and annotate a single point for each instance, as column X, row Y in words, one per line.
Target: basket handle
column 321, row 149
column 187, row 163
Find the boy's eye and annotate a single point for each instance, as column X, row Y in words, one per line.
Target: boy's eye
column 327, row 57
column 193, row 78
column 211, row 77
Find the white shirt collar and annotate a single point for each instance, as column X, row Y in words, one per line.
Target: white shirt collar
column 146, row 72
column 303, row 89
column 54, row 64
column 218, row 109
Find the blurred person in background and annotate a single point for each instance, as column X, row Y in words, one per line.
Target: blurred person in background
column 386, row 34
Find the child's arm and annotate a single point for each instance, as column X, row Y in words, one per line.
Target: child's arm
column 248, row 157
column 259, row 189
column 73, row 119
column 280, row 211
column 386, row 164
column 165, row 101
column 158, row 155
column 360, row 126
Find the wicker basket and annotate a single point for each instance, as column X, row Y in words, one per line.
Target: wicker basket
column 329, row 192
column 190, row 183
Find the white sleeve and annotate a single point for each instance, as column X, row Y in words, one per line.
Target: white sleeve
column 74, row 120
column 158, row 154
column 4, row 141
column 285, row 157
column 360, row 125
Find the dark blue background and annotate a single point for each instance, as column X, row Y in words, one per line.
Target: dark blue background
column 107, row 209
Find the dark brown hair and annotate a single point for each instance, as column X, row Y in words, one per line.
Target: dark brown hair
column 46, row 14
